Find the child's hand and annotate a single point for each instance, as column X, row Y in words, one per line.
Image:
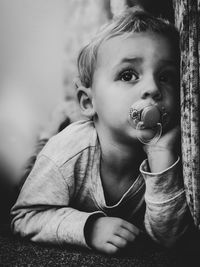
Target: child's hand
column 163, row 154
column 110, row 234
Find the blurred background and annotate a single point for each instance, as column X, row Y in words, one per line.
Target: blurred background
column 39, row 44
column 40, row 41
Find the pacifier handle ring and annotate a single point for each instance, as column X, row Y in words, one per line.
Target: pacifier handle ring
column 153, row 140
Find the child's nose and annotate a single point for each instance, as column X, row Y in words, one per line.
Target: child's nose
column 151, row 90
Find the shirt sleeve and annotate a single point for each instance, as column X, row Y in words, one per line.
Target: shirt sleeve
column 31, row 161
column 43, row 213
column 167, row 214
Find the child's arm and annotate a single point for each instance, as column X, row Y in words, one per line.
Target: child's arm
column 43, row 213
column 163, row 154
column 167, row 215
column 59, row 120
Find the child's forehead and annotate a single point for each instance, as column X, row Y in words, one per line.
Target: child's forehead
column 143, row 44
column 125, row 38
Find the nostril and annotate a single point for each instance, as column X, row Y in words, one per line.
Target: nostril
column 151, row 90
column 145, row 95
column 157, row 96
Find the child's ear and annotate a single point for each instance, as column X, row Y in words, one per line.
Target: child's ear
column 85, row 101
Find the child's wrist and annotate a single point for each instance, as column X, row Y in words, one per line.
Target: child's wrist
column 160, row 159
column 88, row 229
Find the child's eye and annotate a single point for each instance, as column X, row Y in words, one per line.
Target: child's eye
column 128, row 75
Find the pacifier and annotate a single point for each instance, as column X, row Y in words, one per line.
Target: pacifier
column 149, row 117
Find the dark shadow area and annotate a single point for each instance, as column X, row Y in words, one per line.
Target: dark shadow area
column 8, row 194
column 156, row 7
column 20, row 252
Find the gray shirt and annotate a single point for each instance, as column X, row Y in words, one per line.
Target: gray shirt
column 64, row 189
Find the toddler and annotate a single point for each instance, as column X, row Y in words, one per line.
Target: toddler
column 99, row 183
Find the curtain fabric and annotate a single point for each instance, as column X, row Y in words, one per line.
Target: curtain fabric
column 187, row 20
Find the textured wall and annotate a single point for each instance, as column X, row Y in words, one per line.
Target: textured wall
column 187, row 19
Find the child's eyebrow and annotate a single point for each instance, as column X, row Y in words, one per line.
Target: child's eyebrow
column 137, row 60
column 133, row 60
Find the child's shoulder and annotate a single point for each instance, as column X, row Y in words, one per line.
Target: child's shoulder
column 71, row 141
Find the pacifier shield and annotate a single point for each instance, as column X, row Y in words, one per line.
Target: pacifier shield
column 147, row 120
column 150, row 116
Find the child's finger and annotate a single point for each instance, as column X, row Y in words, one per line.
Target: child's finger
column 118, row 241
column 130, row 227
column 127, row 235
column 109, row 248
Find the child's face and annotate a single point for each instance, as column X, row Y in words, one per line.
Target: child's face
column 140, row 67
